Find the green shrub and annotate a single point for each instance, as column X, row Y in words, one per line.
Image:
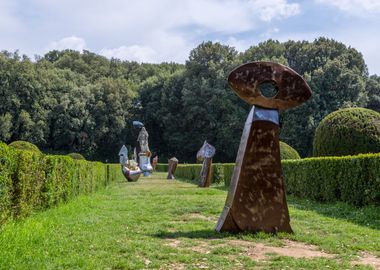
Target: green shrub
column 23, row 145
column 31, row 181
column 288, row 152
column 217, row 173
column 352, row 179
column 161, row 167
column 8, row 166
column 348, row 132
column 228, row 172
column 76, row 156
column 28, row 182
column 189, row 172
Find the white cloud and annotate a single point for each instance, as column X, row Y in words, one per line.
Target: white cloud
column 270, row 32
column 132, row 53
column 357, row 7
column 274, row 9
column 73, row 42
column 239, row 44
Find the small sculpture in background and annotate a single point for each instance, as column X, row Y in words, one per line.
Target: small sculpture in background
column 172, row 167
column 154, row 162
column 144, row 154
column 129, row 168
column 206, row 154
column 137, row 126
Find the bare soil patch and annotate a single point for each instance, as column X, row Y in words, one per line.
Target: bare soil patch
column 368, row 259
column 291, row 249
column 174, row 243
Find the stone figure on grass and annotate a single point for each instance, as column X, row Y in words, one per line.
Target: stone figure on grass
column 256, row 199
column 205, row 154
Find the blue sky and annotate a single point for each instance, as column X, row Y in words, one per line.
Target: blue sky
column 166, row 30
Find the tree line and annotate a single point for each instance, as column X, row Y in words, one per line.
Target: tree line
column 69, row 101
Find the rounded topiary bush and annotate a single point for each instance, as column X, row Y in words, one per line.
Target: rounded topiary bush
column 288, row 152
column 76, row 156
column 24, row 145
column 348, row 132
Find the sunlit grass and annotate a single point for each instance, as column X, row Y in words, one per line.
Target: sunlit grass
column 157, row 223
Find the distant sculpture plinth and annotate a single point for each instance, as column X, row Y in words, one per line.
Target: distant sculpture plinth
column 172, row 167
column 129, row 168
column 206, row 153
column 256, row 199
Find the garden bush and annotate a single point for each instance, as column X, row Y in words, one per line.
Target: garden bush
column 8, row 167
column 31, row 181
column 348, row 132
column 351, row 179
column 288, row 152
column 24, row 145
column 76, row 156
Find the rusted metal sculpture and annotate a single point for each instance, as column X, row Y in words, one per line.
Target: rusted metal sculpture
column 256, row 200
column 129, row 168
column 172, row 167
column 206, row 153
column 144, row 154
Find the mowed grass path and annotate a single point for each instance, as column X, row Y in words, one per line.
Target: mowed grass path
column 160, row 224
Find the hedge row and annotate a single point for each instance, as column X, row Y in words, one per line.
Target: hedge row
column 351, row 179
column 191, row 172
column 31, row 181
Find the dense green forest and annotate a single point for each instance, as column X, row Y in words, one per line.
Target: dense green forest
column 67, row 101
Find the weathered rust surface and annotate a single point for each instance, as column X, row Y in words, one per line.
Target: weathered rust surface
column 206, row 153
column 256, row 200
column 292, row 88
column 172, row 167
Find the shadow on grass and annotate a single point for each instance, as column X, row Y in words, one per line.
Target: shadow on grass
column 212, row 234
column 368, row 216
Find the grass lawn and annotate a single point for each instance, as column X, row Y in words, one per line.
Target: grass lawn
column 160, row 224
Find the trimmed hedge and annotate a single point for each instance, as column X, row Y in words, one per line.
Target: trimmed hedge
column 349, row 131
column 76, row 156
column 191, row 172
column 288, row 152
column 351, row 179
column 31, row 181
column 24, row 145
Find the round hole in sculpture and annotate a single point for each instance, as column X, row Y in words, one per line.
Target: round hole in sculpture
column 268, row 89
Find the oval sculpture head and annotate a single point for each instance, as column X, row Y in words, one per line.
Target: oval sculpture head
column 247, row 79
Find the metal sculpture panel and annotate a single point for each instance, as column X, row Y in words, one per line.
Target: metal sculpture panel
column 206, row 154
column 256, row 200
